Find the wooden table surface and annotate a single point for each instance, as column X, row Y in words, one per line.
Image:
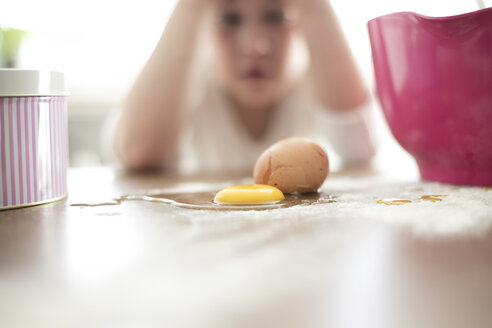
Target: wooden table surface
column 352, row 263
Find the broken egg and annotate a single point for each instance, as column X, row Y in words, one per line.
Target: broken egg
column 292, row 165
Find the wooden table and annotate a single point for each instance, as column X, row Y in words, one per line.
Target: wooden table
column 351, row 263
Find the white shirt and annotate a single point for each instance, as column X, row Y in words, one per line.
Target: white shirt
column 217, row 142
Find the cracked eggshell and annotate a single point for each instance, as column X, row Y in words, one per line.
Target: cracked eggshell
column 292, row 165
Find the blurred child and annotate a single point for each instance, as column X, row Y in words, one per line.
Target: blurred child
column 228, row 78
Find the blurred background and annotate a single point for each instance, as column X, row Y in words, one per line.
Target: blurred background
column 101, row 46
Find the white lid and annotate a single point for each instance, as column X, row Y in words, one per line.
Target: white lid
column 22, row 82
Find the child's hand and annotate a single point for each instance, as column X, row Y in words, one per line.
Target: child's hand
column 306, row 8
column 195, row 4
column 303, row 5
column 336, row 80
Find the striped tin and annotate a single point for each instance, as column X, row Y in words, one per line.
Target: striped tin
column 33, row 138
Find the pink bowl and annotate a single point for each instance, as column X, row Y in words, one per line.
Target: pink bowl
column 434, row 82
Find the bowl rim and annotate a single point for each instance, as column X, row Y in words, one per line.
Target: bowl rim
column 437, row 18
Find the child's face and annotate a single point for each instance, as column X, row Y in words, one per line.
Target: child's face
column 252, row 40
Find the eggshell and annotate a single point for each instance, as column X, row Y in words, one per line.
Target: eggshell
column 292, row 165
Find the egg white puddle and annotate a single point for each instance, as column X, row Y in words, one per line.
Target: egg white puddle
column 204, row 201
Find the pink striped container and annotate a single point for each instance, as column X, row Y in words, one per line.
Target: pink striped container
column 33, row 137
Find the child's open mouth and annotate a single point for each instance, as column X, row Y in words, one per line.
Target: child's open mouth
column 255, row 73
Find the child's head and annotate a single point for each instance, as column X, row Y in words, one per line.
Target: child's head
column 252, row 43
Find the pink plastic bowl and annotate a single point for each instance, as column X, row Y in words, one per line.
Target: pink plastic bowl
column 434, row 82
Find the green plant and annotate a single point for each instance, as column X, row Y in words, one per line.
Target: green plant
column 10, row 42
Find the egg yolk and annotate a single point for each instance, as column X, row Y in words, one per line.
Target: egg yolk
column 249, row 194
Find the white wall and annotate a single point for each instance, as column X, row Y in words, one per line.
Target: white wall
column 99, row 44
